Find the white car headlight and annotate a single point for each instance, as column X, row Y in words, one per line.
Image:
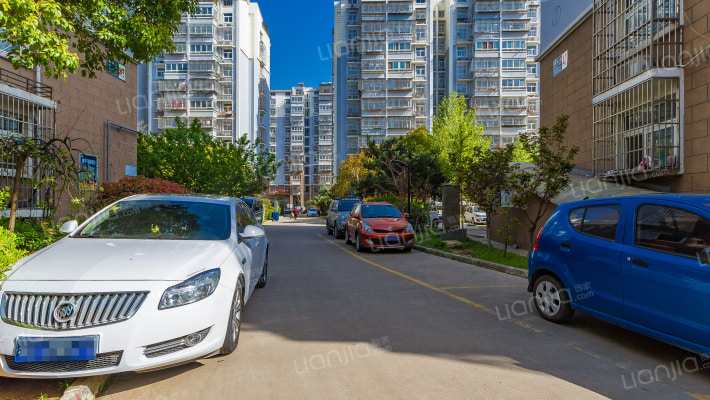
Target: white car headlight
column 365, row 227
column 194, row 289
column 410, row 229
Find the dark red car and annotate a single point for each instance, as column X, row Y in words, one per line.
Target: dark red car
column 378, row 226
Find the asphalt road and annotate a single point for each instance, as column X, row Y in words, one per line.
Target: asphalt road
column 334, row 323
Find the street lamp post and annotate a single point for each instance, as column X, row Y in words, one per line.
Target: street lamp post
column 409, row 185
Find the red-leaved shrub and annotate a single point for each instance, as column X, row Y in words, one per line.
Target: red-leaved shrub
column 130, row 185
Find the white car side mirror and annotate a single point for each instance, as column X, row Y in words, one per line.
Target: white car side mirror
column 69, row 226
column 252, row 232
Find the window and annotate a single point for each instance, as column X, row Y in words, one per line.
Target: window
column 201, row 48
column 532, row 88
column 227, row 18
column 532, row 13
column 400, row 46
column 513, row 83
column 513, row 64
column 532, row 50
column 487, row 45
column 487, row 26
column 400, row 65
column 175, row 67
column 461, row 52
column 671, row 230
column 420, row 52
column 461, row 88
column 200, row 11
column 532, row 69
column 513, row 44
column 596, row 221
column 227, row 3
column 227, row 54
column 420, row 70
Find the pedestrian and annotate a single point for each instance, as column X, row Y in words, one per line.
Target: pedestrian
column 295, row 213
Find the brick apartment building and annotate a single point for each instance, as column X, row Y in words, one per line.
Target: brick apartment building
column 634, row 76
column 101, row 111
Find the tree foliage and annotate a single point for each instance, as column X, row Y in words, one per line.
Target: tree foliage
column 203, row 164
column 129, row 185
column 63, row 35
column 418, row 150
column 324, row 198
column 349, row 174
column 486, row 177
column 457, row 136
column 53, row 166
column 553, row 161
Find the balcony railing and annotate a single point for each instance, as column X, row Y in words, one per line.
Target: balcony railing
column 26, row 84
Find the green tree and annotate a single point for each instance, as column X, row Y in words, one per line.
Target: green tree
column 53, row 166
column 553, row 161
column 324, row 198
column 349, row 174
column 63, row 35
column 203, row 164
column 457, row 136
column 486, row 177
column 418, row 150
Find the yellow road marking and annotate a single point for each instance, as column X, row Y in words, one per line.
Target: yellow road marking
column 698, row 396
column 474, row 287
column 428, row 286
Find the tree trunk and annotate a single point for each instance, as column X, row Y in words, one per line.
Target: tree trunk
column 17, row 181
column 488, row 230
column 532, row 238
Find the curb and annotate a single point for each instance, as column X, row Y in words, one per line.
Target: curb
column 520, row 273
column 85, row 388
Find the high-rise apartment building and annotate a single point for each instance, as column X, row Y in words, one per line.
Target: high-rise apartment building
column 301, row 134
column 219, row 74
column 396, row 60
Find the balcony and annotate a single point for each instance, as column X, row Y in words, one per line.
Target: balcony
column 172, row 104
column 172, row 86
column 203, row 86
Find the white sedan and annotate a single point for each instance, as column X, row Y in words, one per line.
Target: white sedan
column 149, row 281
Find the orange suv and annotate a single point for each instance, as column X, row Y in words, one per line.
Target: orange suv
column 379, row 226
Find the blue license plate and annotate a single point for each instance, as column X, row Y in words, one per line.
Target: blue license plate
column 392, row 239
column 56, row 349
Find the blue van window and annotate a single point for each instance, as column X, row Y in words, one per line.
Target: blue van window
column 575, row 218
column 596, row 221
column 671, row 230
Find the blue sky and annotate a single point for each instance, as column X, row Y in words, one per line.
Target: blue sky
column 300, row 32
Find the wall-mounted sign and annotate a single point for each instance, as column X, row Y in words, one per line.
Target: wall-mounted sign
column 131, row 170
column 560, row 64
column 117, row 69
column 89, row 171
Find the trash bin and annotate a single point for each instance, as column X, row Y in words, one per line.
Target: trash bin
column 275, row 216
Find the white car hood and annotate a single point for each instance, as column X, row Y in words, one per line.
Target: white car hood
column 73, row 259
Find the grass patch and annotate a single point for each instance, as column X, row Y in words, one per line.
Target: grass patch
column 475, row 249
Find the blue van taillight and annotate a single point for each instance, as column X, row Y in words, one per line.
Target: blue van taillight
column 537, row 240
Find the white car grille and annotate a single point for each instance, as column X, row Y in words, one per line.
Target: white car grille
column 34, row 310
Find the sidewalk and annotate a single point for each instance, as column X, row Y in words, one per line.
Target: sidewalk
column 478, row 233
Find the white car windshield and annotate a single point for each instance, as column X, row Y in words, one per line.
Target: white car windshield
column 160, row 219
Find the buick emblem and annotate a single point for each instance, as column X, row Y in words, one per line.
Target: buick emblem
column 64, row 312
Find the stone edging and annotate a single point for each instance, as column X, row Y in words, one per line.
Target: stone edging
column 521, row 273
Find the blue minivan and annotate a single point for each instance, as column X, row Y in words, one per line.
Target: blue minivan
column 641, row 262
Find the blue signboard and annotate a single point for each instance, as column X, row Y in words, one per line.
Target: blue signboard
column 89, row 171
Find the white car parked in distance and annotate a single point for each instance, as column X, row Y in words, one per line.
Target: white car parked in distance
column 149, row 281
column 474, row 215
